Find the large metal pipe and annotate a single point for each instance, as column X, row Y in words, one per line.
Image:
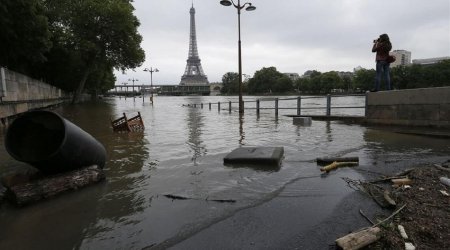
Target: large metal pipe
column 51, row 143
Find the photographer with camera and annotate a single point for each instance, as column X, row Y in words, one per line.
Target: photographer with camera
column 382, row 46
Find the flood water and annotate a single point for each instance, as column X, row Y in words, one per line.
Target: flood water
column 181, row 153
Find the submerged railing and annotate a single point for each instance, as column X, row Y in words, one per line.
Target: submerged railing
column 298, row 105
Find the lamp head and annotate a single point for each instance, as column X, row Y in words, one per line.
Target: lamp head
column 225, row 2
column 250, row 7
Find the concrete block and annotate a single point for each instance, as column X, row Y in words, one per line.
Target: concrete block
column 255, row 155
column 303, row 121
column 418, row 112
column 410, row 96
column 382, row 112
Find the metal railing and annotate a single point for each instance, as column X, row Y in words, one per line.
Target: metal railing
column 328, row 107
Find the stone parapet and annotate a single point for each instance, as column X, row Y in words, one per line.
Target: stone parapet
column 429, row 107
column 20, row 93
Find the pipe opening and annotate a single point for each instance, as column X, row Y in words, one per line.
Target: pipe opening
column 35, row 136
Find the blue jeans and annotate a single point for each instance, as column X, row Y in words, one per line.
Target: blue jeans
column 383, row 69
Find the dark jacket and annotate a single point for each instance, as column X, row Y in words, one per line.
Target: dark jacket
column 382, row 49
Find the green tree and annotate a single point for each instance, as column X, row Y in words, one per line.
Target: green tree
column 230, row 83
column 422, row 76
column 24, row 34
column 283, row 84
column 330, row 80
column 268, row 80
column 347, row 83
column 302, row 85
column 94, row 34
column 364, row 79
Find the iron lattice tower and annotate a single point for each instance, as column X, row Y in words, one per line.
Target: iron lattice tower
column 193, row 74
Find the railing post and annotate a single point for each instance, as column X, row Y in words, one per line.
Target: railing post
column 229, row 106
column 276, row 107
column 218, row 106
column 257, row 107
column 209, row 106
column 328, row 105
column 201, row 105
column 195, row 105
column 366, row 104
column 299, row 105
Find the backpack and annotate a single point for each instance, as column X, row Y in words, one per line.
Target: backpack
column 391, row 59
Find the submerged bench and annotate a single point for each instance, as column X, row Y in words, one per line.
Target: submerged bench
column 123, row 124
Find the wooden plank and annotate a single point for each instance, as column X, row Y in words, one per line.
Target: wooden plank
column 359, row 239
column 329, row 160
column 54, row 185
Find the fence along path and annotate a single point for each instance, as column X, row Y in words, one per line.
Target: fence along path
column 286, row 104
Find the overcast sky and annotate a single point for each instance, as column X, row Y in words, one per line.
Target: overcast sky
column 292, row 35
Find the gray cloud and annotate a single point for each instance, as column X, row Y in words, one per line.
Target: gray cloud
column 292, row 35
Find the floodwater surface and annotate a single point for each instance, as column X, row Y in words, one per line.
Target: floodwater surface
column 168, row 184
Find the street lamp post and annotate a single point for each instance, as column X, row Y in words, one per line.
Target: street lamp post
column 239, row 7
column 151, row 70
column 133, row 80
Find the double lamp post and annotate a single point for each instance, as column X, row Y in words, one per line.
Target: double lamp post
column 239, row 7
column 151, row 70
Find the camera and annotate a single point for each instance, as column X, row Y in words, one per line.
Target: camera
column 376, row 40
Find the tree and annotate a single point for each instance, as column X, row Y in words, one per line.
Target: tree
column 330, row 80
column 95, row 34
column 364, row 79
column 347, row 83
column 302, row 85
column 230, row 83
column 268, row 80
column 283, row 84
column 24, row 34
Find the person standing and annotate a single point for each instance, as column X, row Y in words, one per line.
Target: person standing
column 382, row 46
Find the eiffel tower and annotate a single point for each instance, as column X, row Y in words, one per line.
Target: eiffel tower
column 193, row 74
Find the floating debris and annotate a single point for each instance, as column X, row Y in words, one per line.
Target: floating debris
column 336, row 164
column 122, row 124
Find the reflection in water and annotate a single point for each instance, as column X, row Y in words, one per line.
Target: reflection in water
column 127, row 153
column 401, row 149
column 328, row 131
column 194, row 124
column 241, row 129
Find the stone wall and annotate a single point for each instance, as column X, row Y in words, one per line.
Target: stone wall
column 20, row 93
column 427, row 107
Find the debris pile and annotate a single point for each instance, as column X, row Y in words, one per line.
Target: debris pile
column 420, row 221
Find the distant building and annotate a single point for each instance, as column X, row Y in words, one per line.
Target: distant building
column 357, row 69
column 403, row 58
column 308, row 73
column 343, row 74
column 429, row 61
column 293, row 76
column 215, row 88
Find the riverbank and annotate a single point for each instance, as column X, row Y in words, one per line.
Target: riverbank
column 426, row 215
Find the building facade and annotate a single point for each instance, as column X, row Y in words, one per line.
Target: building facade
column 293, row 76
column 403, row 58
column 429, row 61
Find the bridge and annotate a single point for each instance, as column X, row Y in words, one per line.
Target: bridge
column 170, row 90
